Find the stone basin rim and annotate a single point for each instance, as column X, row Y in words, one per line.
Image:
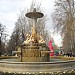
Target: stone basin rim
column 36, row 67
column 52, row 62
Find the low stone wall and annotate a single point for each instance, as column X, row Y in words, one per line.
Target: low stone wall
column 63, row 58
column 8, row 57
column 35, row 67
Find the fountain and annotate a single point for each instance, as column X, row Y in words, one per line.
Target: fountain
column 34, row 48
column 33, row 55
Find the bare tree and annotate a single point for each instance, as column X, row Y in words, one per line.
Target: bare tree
column 3, row 35
column 63, row 19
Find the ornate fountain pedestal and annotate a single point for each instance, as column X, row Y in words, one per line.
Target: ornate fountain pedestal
column 35, row 52
column 34, row 48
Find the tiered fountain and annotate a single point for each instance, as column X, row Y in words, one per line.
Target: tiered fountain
column 34, row 48
column 34, row 55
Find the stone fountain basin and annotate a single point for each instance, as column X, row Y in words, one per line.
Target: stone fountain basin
column 36, row 67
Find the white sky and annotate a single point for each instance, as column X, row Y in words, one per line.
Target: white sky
column 10, row 10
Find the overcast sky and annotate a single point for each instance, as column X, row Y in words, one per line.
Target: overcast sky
column 10, row 10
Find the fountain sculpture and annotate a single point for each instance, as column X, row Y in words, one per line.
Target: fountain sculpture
column 34, row 48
